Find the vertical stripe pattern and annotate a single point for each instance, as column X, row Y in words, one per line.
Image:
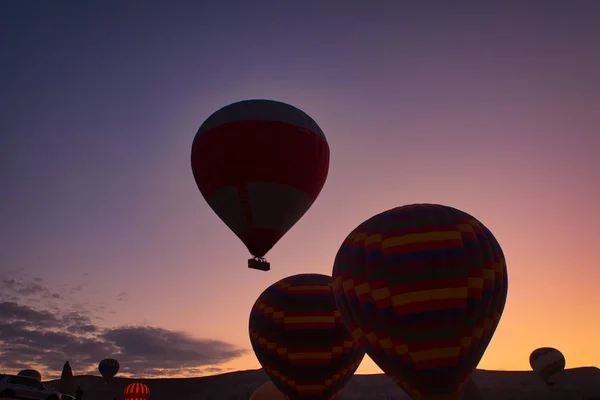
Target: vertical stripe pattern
column 423, row 288
column 300, row 339
column 136, row 391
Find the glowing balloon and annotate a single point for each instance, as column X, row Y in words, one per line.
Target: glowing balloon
column 423, row 288
column 108, row 368
column 267, row 391
column 136, row 391
column 300, row 340
column 547, row 362
column 31, row 373
column 260, row 165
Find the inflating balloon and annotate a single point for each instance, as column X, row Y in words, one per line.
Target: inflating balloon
column 423, row 288
column 108, row 368
column 546, row 362
column 300, row 340
column 267, row 391
column 31, row 373
column 136, row 391
column 260, row 165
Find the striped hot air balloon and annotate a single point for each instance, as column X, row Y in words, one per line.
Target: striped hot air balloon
column 546, row 362
column 31, row 373
column 108, row 368
column 260, row 165
column 423, row 288
column 300, row 340
column 136, row 391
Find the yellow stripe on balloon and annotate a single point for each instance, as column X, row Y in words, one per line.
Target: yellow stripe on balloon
column 304, row 320
column 377, row 238
column 435, row 354
column 475, row 283
column 420, row 238
column 489, row 274
column 381, row 294
column 466, row 228
column 309, row 356
column 363, row 288
column 357, row 237
column 317, row 288
column 424, row 295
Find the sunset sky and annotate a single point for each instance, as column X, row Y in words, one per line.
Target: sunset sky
column 107, row 244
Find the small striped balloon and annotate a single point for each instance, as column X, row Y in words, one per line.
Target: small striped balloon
column 300, row 340
column 108, row 368
column 423, row 288
column 136, row 391
column 547, row 362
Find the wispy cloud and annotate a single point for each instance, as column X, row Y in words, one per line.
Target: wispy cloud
column 46, row 336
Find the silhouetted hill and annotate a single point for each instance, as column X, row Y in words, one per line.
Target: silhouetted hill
column 575, row 384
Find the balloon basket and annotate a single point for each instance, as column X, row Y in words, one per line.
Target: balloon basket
column 259, row 263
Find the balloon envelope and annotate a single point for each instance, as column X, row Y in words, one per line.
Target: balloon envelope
column 31, row 373
column 108, row 368
column 547, row 362
column 423, row 288
column 300, row 340
column 267, row 391
column 260, row 164
column 136, row 391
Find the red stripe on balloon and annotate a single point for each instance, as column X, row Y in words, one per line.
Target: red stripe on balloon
column 242, row 152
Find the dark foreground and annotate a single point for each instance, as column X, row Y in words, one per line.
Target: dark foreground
column 575, row 384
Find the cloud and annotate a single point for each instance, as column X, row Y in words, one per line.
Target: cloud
column 35, row 287
column 46, row 338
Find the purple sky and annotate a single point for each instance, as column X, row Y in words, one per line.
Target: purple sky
column 489, row 108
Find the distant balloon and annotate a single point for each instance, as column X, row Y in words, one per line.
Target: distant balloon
column 300, row 340
column 31, row 373
column 267, row 391
column 546, row 362
column 108, row 368
column 136, row 391
column 423, row 287
column 260, row 165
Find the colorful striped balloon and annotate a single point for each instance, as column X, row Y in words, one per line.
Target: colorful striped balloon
column 423, row 288
column 547, row 362
column 136, row 391
column 300, row 340
column 260, row 165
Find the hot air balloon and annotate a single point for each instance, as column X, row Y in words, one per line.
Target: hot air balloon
column 108, row 368
column 260, row 165
column 267, row 391
column 423, row 288
column 300, row 340
column 546, row 362
column 136, row 391
column 31, row 373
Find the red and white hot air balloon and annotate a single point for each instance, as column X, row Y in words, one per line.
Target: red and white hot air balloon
column 260, row 165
